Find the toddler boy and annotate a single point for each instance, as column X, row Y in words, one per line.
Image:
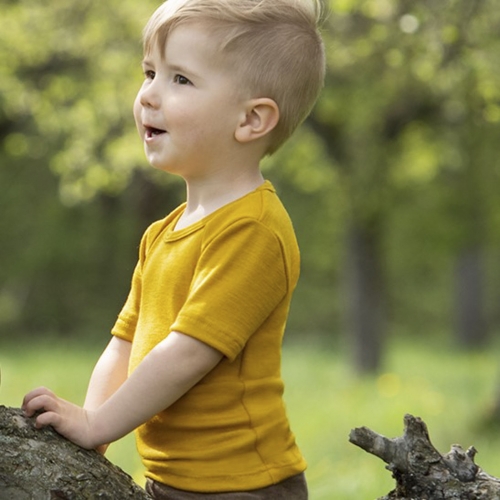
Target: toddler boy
column 194, row 361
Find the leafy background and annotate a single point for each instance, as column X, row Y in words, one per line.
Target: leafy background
column 392, row 186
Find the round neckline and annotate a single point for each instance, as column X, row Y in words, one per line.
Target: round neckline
column 172, row 234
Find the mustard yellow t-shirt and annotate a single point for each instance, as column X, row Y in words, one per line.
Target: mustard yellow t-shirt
column 226, row 280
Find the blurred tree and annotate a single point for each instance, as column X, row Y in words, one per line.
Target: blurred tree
column 69, row 72
column 409, row 102
column 392, row 178
column 68, row 77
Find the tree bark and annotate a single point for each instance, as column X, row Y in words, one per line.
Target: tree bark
column 366, row 296
column 421, row 472
column 42, row 465
column 471, row 328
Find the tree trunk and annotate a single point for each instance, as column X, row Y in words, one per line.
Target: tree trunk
column 42, row 465
column 471, row 328
column 421, row 472
column 366, row 297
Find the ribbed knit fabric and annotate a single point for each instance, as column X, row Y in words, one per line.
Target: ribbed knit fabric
column 227, row 280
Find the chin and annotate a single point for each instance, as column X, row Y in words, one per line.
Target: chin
column 164, row 167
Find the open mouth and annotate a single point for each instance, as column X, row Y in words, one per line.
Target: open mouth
column 153, row 132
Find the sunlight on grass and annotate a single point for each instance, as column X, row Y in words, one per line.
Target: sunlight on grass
column 450, row 390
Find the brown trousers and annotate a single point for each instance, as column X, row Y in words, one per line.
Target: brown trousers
column 294, row 488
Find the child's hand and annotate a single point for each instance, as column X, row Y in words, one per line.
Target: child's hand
column 67, row 419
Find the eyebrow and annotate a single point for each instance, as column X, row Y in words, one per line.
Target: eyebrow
column 176, row 67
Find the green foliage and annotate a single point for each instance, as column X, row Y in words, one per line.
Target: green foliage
column 408, row 83
column 67, row 85
column 451, row 391
column 409, row 118
column 403, row 141
column 69, row 72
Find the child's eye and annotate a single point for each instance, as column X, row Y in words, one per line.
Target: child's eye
column 181, row 80
column 149, row 74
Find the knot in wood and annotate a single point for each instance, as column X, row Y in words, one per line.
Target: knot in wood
column 461, row 463
column 419, row 462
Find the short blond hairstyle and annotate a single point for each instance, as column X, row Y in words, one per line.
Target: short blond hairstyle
column 274, row 46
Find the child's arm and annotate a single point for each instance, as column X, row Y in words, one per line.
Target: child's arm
column 109, row 374
column 174, row 366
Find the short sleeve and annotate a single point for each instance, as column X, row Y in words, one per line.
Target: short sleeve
column 239, row 280
column 126, row 323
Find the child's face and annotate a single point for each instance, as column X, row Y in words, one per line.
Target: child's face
column 188, row 107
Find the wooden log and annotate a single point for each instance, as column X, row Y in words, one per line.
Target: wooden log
column 421, row 472
column 39, row 464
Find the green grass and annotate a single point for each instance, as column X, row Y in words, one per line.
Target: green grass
column 450, row 390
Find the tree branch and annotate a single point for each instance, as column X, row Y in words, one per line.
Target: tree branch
column 39, row 463
column 421, row 471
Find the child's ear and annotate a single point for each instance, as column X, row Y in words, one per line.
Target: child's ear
column 261, row 117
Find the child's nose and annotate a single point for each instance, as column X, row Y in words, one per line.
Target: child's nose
column 148, row 97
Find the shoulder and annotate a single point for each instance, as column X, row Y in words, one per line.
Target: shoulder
column 258, row 222
column 261, row 207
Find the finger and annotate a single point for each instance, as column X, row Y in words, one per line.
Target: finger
column 35, row 393
column 42, row 402
column 47, row 418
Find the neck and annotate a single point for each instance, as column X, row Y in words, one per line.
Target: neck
column 206, row 195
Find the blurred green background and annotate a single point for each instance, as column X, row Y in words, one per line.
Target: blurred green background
column 392, row 185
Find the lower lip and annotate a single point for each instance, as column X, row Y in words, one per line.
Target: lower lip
column 152, row 137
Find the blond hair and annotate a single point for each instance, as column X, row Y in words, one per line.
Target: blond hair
column 274, row 46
